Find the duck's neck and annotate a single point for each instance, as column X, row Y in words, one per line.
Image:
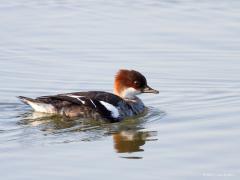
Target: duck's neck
column 127, row 93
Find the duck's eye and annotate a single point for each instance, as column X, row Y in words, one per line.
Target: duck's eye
column 136, row 83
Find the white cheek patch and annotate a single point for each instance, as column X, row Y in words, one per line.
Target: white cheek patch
column 130, row 93
column 111, row 108
column 77, row 97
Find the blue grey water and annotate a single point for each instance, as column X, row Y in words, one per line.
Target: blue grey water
column 189, row 50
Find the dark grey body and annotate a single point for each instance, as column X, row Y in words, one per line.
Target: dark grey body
column 87, row 105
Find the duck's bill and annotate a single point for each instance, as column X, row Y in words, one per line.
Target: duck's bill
column 148, row 89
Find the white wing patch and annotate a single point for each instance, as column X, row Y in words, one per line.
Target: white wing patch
column 77, row 97
column 93, row 103
column 111, row 108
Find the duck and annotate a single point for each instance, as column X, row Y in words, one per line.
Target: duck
column 98, row 105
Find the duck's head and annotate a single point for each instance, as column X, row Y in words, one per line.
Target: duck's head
column 129, row 83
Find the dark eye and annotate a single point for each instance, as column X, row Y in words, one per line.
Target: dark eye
column 136, row 83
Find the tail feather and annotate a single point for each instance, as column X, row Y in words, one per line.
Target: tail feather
column 37, row 105
column 26, row 100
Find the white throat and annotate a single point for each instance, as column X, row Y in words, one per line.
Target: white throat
column 129, row 93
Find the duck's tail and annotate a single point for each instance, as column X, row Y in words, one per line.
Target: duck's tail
column 37, row 105
column 26, row 100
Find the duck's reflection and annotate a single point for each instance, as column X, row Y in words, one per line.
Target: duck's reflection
column 131, row 140
column 128, row 136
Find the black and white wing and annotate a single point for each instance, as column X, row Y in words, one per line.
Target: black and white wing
column 92, row 103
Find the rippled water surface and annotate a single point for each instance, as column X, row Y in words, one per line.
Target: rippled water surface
column 188, row 50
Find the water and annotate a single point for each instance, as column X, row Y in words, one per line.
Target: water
column 188, row 50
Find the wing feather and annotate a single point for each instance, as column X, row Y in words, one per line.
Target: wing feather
column 91, row 99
